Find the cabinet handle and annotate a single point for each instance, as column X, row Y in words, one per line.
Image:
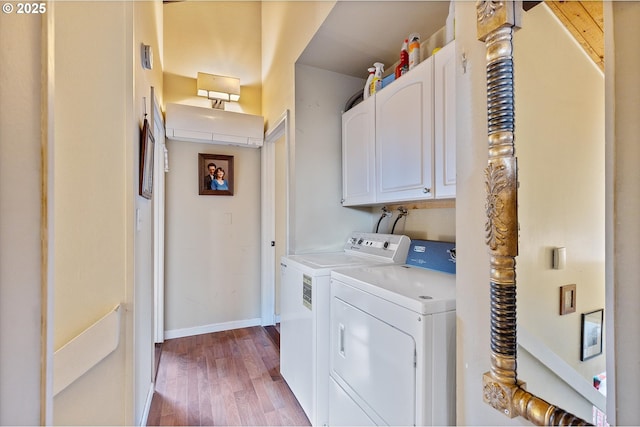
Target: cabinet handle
column 426, row 190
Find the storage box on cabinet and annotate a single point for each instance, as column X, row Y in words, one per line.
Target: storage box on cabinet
column 399, row 145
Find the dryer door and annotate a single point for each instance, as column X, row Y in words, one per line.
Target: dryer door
column 375, row 362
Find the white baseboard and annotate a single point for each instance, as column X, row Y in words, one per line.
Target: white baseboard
column 214, row 327
column 147, row 405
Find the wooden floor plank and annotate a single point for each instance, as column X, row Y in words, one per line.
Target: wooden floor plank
column 223, row 378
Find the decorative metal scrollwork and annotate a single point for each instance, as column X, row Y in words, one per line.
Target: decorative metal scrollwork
column 487, row 8
column 496, row 21
column 495, row 182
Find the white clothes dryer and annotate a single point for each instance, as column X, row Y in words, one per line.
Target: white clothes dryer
column 304, row 313
column 393, row 341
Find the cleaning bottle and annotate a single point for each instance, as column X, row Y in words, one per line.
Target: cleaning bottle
column 414, row 50
column 450, row 31
column 403, row 65
column 376, row 83
column 367, row 86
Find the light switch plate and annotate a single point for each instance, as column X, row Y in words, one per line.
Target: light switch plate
column 567, row 299
column 146, row 56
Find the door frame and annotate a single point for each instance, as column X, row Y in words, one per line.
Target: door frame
column 160, row 168
column 268, row 209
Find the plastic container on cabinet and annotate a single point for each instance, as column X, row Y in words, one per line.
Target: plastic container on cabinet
column 414, row 50
column 386, row 81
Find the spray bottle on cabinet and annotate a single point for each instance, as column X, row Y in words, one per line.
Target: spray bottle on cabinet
column 376, row 83
column 403, row 65
column 367, row 86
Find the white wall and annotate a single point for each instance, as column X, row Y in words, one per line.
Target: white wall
column 473, row 263
column 216, row 37
column 147, row 30
column 424, row 224
column 623, row 205
column 560, row 149
column 92, row 133
column 20, row 204
column 93, row 190
column 287, row 28
column 541, row 381
column 320, row 223
column 212, row 244
column 212, row 248
column 472, row 268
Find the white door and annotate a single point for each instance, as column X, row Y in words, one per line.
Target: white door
column 275, row 217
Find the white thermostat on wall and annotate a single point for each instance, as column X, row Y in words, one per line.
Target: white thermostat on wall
column 146, row 54
column 559, row 258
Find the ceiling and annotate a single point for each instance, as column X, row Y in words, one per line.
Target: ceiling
column 356, row 34
column 584, row 20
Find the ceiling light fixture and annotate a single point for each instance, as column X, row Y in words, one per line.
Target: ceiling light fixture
column 219, row 89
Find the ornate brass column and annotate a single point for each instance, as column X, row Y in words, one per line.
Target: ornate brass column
column 497, row 21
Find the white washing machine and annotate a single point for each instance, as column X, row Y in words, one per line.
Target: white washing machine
column 304, row 313
column 393, row 341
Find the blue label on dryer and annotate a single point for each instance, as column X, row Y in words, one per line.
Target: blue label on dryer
column 433, row 255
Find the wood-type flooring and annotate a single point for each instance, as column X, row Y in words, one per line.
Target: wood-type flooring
column 223, row 378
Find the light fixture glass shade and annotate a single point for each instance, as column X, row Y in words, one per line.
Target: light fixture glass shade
column 218, row 87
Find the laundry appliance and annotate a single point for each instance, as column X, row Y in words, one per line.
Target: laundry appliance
column 304, row 313
column 393, row 340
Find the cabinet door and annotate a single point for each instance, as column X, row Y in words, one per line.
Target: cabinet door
column 404, row 136
column 445, row 122
column 358, row 154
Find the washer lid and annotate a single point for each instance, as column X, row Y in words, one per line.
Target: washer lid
column 323, row 263
column 417, row 289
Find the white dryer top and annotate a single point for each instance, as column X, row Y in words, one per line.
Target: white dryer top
column 417, row 289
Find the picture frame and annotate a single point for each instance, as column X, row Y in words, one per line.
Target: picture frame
column 567, row 299
column 591, row 334
column 147, row 148
column 209, row 187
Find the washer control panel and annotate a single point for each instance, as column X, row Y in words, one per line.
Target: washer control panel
column 393, row 247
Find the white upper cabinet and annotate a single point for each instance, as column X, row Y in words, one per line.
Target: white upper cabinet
column 444, row 72
column 404, row 136
column 358, row 154
column 400, row 144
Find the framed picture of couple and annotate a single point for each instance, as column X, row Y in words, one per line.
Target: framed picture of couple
column 215, row 175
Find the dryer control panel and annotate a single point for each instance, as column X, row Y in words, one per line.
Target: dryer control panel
column 391, row 247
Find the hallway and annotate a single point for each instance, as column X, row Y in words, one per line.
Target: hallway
column 223, row 378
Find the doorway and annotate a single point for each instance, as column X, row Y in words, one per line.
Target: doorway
column 275, row 214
